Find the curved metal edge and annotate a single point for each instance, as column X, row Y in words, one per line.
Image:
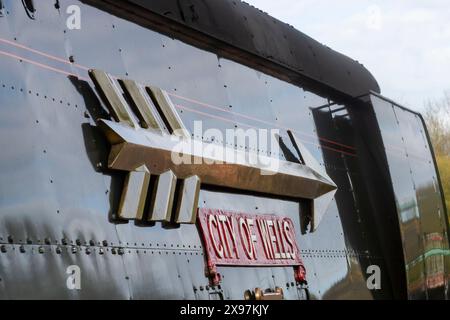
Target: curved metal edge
column 242, row 28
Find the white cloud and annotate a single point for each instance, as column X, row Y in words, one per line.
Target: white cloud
column 419, row 16
column 374, row 18
column 404, row 43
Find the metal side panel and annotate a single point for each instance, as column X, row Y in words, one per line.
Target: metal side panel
column 56, row 189
column 41, row 273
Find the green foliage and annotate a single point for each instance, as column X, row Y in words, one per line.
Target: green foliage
column 437, row 118
column 444, row 170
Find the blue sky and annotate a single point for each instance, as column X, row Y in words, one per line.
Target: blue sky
column 404, row 43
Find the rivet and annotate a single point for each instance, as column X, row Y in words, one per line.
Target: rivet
column 29, row 241
column 10, row 239
column 58, row 250
column 47, row 241
column 91, row 243
column 121, row 251
column 22, row 249
column 202, row 288
column 64, row 241
column 3, row 249
column 78, row 242
column 74, row 249
column 41, row 250
column 105, row 243
column 113, row 251
column 101, row 251
column 88, row 250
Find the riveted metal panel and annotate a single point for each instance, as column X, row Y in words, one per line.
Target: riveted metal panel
column 171, row 273
column 251, row 31
column 421, row 212
column 55, row 187
column 39, row 272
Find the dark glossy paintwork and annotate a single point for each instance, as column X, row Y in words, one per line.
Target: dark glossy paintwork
column 422, row 216
column 55, row 192
column 251, row 36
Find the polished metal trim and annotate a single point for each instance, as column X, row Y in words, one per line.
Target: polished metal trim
column 162, row 199
column 134, row 194
column 111, row 92
column 133, row 146
column 188, row 195
column 280, row 178
column 169, row 112
column 146, row 110
column 321, row 203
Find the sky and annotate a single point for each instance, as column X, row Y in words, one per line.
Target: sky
column 405, row 44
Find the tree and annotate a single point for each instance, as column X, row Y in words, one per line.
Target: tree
column 444, row 170
column 437, row 117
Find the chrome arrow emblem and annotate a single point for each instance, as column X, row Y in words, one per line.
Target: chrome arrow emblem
column 322, row 202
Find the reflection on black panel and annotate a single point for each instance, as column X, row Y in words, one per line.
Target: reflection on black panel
column 419, row 201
